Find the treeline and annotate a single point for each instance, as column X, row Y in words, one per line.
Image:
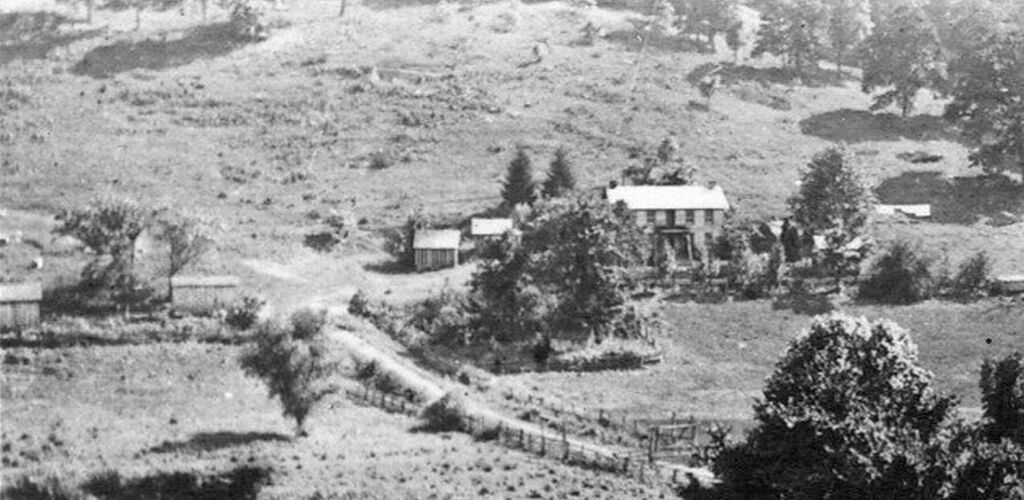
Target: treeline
column 971, row 51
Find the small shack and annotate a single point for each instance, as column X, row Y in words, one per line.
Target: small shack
column 203, row 293
column 19, row 305
column 436, row 248
column 483, row 228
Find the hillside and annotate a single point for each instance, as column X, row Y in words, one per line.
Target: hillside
column 261, row 136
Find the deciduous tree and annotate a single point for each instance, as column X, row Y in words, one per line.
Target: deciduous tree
column 848, row 24
column 847, row 413
column 793, row 29
column 902, row 55
column 988, row 100
column 294, row 360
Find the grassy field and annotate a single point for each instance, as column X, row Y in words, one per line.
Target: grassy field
column 150, row 410
column 718, row 355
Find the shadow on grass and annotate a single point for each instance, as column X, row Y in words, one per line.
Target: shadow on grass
column 804, row 303
column 857, row 125
column 240, row 483
column 196, row 43
column 209, row 441
column 633, row 40
column 390, row 266
column 960, row 200
column 731, row 73
column 33, row 35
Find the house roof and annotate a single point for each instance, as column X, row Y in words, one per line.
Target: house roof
column 669, row 197
column 489, row 227
column 21, row 292
column 204, row 281
column 436, row 239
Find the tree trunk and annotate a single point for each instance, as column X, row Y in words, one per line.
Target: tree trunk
column 341, row 11
column 839, row 64
column 203, row 4
column 138, row 15
column 88, row 11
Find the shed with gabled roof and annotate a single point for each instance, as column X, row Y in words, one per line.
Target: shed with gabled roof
column 203, row 293
column 19, row 305
column 436, row 248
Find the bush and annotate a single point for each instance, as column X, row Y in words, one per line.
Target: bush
column 445, row 318
column 245, row 314
column 51, row 487
column 447, row 414
column 307, row 323
column 248, row 20
column 900, row 275
column 989, row 470
column 847, row 412
column 294, row 361
column 972, row 279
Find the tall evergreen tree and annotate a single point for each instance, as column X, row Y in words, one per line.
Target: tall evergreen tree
column 903, row 55
column 561, row 179
column 519, row 187
column 832, row 195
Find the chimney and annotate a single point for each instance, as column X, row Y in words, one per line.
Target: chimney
column 712, row 184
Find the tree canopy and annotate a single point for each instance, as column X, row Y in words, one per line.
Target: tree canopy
column 988, row 100
column 847, row 413
column 903, row 55
column 569, row 269
column 794, row 30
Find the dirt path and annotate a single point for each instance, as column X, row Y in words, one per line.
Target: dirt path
column 430, row 388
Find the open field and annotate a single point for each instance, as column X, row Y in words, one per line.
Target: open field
column 718, row 355
column 148, row 410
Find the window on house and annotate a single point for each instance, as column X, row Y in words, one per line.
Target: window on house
column 660, row 218
column 709, row 217
column 690, row 216
column 650, row 217
column 709, row 240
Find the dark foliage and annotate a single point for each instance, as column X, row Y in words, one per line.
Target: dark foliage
column 1002, row 396
column 848, row 413
column 519, row 187
column 900, row 275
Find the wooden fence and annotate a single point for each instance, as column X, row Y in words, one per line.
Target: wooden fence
column 644, row 463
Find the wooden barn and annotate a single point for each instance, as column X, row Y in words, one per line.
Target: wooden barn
column 436, row 248
column 203, row 293
column 19, row 305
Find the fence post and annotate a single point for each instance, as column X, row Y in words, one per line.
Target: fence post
column 542, row 444
column 625, row 465
column 673, row 418
column 366, row 396
column 565, row 444
column 675, row 472
column 653, row 445
column 521, row 434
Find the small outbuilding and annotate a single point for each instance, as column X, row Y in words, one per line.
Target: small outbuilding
column 203, row 293
column 482, row 227
column 19, row 305
column 436, row 248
